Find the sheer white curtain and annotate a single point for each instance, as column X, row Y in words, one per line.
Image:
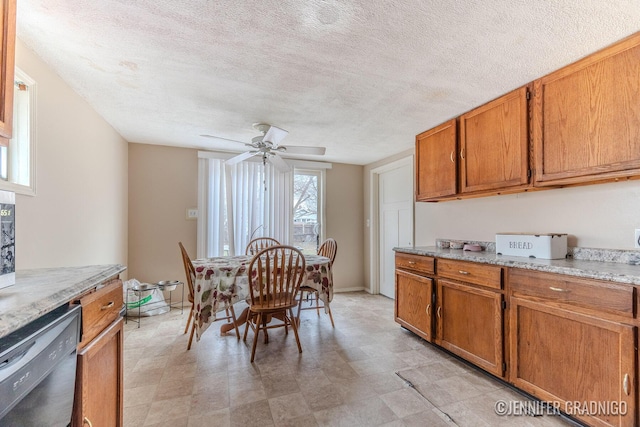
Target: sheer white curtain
column 279, row 205
column 245, row 203
column 212, row 208
column 234, row 206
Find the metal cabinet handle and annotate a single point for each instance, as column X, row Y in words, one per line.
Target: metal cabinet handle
column 412, row 262
column 463, row 272
column 625, row 384
column 428, row 309
column 451, row 157
column 438, row 311
column 462, row 154
column 557, row 289
column 87, row 422
column 104, row 307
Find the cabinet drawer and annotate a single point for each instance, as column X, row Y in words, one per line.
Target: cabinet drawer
column 469, row 272
column 419, row 263
column 604, row 296
column 100, row 309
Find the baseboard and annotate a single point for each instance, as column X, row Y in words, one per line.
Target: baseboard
column 341, row 290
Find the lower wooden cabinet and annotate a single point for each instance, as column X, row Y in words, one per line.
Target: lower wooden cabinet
column 99, row 373
column 469, row 324
column 562, row 356
column 99, row 380
column 569, row 341
column 413, row 303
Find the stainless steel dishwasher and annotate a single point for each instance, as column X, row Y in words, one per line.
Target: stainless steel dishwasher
column 38, row 370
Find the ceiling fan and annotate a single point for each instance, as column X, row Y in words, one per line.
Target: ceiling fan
column 268, row 147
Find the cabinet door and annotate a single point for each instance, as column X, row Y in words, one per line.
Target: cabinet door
column 413, row 303
column 469, row 324
column 565, row 357
column 586, row 118
column 436, row 166
column 7, row 66
column 494, row 144
column 99, row 380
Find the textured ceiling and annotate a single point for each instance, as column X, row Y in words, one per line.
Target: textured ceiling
column 361, row 78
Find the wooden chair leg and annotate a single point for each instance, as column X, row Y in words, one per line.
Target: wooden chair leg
column 264, row 327
column 246, row 328
column 255, row 337
column 331, row 317
column 186, row 328
column 315, row 295
column 193, row 329
column 235, row 324
column 299, row 308
column 294, row 327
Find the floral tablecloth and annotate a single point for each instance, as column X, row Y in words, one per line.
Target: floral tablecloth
column 223, row 279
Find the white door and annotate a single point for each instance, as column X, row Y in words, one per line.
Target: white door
column 395, row 200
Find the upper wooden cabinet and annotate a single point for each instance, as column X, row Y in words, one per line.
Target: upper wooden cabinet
column 586, row 118
column 584, row 124
column 494, row 144
column 490, row 154
column 436, row 165
column 7, row 67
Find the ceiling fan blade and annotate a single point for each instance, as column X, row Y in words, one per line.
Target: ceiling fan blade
column 274, row 135
column 222, row 139
column 240, row 157
column 279, row 163
column 300, row 149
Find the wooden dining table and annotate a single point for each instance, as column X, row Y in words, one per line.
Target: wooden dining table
column 222, row 279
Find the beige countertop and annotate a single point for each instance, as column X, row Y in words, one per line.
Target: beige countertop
column 38, row 291
column 593, row 269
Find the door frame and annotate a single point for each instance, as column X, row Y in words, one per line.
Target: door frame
column 374, row 213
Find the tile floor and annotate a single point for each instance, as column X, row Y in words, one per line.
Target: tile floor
column 347, row 376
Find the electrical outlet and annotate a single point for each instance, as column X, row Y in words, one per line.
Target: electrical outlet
column 192, row 213
column 637, row 239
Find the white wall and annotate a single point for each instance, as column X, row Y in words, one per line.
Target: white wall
column 594, row 216
column 79, row 214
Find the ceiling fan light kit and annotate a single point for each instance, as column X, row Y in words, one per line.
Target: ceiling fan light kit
column 268, row 147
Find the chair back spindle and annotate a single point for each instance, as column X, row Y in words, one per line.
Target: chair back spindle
column 329, row 249
column 260, row 243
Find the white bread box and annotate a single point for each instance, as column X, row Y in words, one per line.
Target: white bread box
column 532, row 245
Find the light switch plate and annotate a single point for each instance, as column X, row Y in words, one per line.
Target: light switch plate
column 192, row 213
column 637, row 239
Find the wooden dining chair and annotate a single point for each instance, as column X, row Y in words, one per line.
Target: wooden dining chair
column 329, row 249
column 275, row 274
column 190, row 272
column 260, row 243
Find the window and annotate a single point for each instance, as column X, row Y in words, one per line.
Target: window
column 249, row 200
column 307, row 209
column 17, row 161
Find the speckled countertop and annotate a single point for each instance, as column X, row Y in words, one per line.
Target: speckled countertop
column 620, row 271
column 38, row 291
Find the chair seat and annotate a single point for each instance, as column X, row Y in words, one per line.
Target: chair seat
column 279, row 306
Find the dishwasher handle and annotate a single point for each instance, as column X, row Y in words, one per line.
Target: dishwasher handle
column 6, row 364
